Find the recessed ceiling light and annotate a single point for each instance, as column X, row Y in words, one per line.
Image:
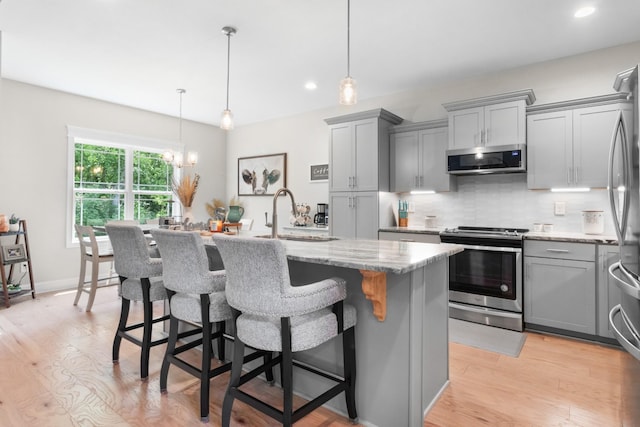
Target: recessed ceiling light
column 310, row 86
column 584, row 11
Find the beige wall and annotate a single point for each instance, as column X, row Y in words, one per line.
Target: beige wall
column 33, row 164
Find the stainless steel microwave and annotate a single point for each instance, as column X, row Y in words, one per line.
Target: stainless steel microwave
column 485, row 160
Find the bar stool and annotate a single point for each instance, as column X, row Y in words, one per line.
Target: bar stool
column 90, row 252
column 140, row 277
column 271, row 314
column 196, row 296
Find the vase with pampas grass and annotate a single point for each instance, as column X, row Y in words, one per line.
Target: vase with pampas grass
column 185, row 190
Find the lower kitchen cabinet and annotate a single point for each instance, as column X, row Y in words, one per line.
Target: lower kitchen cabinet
column 354, row 215
column 560, row 285
column 609, row 295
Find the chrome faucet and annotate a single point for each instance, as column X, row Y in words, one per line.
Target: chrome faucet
column 274, row 214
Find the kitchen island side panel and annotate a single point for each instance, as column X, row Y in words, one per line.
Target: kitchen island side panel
column 402, row 362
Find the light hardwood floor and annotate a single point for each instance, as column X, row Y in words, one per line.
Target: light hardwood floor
column 57, row 371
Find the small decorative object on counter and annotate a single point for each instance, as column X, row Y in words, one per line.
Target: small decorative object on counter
column 4, row 224
column 403, row 213
column 14, row 223
column 302, row 217
column 547, row 228
column 537, row 227
column 593, row 222
column 185, row 190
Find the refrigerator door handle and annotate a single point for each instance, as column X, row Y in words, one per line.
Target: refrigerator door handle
column 624, row 342
column 630, row 286
column 620, row 224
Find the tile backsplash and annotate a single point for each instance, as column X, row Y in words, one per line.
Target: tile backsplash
column 504, row 201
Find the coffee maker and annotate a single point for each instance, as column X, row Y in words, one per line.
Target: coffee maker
column 322, row 217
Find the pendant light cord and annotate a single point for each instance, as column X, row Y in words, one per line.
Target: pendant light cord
column 348, row 38
column 228, row 62
column 180, row 91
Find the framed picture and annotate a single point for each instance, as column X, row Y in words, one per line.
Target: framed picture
column 262, row 175
column 13, row 253
column 319, row 173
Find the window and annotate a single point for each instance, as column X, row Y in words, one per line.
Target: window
column 115, row 177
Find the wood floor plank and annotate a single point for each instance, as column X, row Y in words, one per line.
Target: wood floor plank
column 61, row 374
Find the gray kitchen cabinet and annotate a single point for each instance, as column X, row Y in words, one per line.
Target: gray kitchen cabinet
column 409, row 237
column 560, row 285
column 359, row 151
column 418, row 158
column 354, row 215
column 358, row 171
column 489, row 121
column 569, row 147
column 609, row 295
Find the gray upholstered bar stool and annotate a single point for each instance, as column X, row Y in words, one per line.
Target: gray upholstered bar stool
column 141, row 279
column 196, row 296
column 271, row 314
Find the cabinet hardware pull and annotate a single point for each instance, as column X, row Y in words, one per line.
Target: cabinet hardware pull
column 486, row 137
column 559, row 251
column 576, row 175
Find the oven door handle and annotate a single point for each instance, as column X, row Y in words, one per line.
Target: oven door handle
column 491, row 248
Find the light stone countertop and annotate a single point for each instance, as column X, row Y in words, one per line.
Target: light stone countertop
column 413, row 229
column 374, row 255
column 565, row 236
column 559, row 236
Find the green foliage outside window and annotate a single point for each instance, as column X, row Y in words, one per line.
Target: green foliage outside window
column 100, row 184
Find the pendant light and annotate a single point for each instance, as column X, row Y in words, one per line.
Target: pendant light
column 226, row 121
column 348, row 90
column 177, row 158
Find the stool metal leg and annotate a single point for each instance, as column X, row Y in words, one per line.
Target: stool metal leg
column 349, row 357
column 205, row 369
column 287, row 372
column 122, row 324
column 147, row 328
column 171, row 347
column 236, row 372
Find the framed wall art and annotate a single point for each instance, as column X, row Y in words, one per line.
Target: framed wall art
column 13, row 253
column 319, row 173
column 262, row 175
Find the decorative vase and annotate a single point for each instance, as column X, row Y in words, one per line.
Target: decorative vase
column 235, row 213
column 187, row 215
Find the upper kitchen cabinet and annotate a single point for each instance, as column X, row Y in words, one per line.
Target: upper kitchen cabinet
column 359, row 151
column 569, row 142
column 418, row 157
column 489, row 121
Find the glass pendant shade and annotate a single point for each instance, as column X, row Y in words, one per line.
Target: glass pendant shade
column 192, row 158
column 348, row 91
column 226, row 121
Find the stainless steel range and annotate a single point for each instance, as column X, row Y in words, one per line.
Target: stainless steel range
column 485, row 280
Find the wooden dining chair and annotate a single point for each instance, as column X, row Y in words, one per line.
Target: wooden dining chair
column 91, row 253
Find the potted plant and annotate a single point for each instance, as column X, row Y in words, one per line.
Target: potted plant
column 14, row 223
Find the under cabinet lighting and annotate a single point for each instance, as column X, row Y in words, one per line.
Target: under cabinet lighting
column 570, row 190
column 423, row 192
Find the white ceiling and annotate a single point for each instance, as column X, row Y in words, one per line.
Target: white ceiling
column 138, row 52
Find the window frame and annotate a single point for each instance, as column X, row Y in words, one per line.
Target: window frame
column 129, row 143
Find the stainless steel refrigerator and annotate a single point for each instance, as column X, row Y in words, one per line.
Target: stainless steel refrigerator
column 624, row 196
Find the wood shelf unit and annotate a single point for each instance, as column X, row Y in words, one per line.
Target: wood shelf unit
column 21, row 238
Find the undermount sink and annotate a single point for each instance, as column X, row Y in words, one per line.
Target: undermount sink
column 300, row 238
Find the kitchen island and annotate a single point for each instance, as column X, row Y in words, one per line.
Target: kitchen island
column 400, row 291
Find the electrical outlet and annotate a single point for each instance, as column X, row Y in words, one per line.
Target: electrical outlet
column 23, row 267
column 560, row 208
